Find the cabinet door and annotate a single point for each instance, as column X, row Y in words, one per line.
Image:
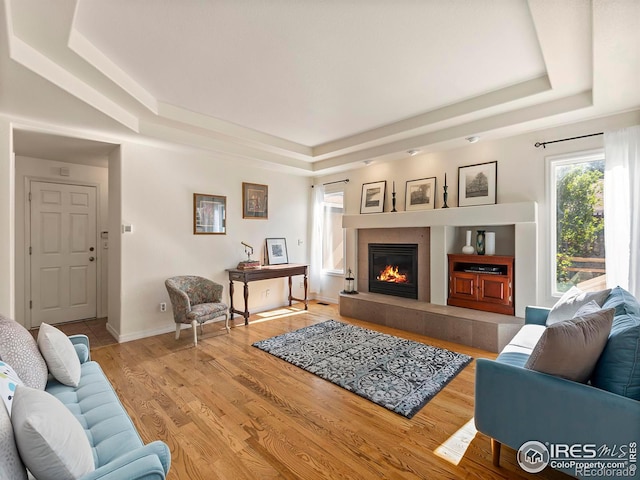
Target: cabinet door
column 494, row 289
column 463, row 285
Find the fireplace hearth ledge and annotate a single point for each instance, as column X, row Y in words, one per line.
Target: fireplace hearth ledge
column 474, row 328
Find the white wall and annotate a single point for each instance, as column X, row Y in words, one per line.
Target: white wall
column 7, row 228
column 521, row 177
column 156, row 189
column 29, row 169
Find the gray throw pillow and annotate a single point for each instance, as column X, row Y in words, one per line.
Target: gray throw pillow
column 60, row 355
column 11, row 466
column 51, row 441
column 571, row 349
column 19, row 349
column 571, row 301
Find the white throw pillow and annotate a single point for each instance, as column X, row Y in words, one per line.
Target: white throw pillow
column 9, row 380
column 61, row 357
column 52, row 443
column 571, row 301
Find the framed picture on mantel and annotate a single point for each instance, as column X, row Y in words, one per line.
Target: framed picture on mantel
column 373, row 196
column 477, row 184
column 420, row 194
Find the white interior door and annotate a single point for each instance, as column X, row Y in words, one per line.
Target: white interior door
column 63, row 252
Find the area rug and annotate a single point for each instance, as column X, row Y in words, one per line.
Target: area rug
column 398, row 374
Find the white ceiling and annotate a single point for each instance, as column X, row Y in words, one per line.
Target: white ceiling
column 315, row 86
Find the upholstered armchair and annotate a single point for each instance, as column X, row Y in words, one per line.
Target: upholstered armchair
column 195, row 300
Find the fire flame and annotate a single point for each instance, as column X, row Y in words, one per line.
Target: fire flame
column 390, row 274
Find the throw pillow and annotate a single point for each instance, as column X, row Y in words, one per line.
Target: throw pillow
column 52, row 443
column 11, row 466
column 618, row 369
column 60, row 355
column 571, row 349
column 571, row 301
column 9, row 380
column 19, row 349
column 587, row 308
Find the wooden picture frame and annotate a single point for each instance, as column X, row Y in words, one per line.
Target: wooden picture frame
column 277, row 251
column 209, row 214
column 420, row 194
column 477, row 184
column 255, row 201
column 373, row 197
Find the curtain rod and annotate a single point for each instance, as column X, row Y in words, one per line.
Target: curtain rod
column 544, row 144
column 346, row 180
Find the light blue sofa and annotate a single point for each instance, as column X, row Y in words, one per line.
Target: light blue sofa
column 118, row 450
column 515, row 405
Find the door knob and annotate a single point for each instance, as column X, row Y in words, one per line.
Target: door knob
column 91, row 259
column 91, row 249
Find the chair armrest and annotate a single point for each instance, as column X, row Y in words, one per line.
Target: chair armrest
column 549, row 409
column 81, row 345
column 151, row 462
column 536, row 315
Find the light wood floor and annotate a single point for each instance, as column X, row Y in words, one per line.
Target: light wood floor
column 228, row 410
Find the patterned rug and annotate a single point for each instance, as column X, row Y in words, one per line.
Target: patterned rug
column 398, row 374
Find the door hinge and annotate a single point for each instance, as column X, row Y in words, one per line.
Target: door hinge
column 29, row 196
column 30, row 304
column 30, row 250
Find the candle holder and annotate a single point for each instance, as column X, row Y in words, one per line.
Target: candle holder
column 444, row 196
column 393, row 202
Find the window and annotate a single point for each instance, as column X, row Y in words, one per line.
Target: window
column 577, row 221
column 332, row 233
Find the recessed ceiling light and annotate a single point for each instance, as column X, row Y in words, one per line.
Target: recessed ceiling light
column 413, row 153
column 472, row 139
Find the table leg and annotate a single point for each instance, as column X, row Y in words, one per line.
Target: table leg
column 246, row 303
column 231, row 298
column 306, row 302
column 290, row 296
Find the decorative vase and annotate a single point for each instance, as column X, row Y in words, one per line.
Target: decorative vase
column 480, row 245
column 490, row 243
column 468, row 248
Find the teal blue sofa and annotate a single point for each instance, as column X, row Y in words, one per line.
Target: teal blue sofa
column 515, row 405
column 119, row 452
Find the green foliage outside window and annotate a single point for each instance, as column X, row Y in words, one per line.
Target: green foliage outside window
column 580, row 223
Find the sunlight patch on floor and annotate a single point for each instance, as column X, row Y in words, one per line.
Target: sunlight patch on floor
column 453, row 448
column 275, row 314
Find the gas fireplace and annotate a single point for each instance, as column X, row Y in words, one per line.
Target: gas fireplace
column 393, row 269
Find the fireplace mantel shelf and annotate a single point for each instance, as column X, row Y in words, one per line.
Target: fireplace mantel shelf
column 486, row 215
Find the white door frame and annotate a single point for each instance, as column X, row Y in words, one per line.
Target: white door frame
column 27, row 236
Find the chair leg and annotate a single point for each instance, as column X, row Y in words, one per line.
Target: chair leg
column 178, row 330
column 194, row 324
column 495, row 452
column 226, row 322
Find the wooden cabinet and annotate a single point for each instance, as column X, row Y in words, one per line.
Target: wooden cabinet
column 481, row 282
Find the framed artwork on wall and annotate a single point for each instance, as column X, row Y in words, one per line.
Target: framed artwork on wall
column 255, row 200
column 477, row 184
column 373, row 196
column 277, row 251
column 420, row 194
column 209, row 214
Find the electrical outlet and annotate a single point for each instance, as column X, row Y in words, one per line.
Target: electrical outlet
column 163, row 307
column 267, row 292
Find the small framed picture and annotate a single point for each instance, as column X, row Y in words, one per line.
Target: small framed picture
column 373, row 196
column 209, row 214
column 477, row 184
column 255, row 201
column 420, row 194
column 277, row 251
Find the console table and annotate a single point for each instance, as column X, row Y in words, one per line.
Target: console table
column 265, row 273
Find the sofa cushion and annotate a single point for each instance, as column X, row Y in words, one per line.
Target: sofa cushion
column 51, row 442
column 517, row 352
column 618, row 369
column 59, row 354
column 571, row 301
column 9, row 380
column 571, row 349
column 19, row 349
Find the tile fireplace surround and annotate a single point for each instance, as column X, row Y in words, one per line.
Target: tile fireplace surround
column 437, row 233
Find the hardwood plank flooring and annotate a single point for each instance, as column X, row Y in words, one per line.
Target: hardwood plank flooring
column 230, row 411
